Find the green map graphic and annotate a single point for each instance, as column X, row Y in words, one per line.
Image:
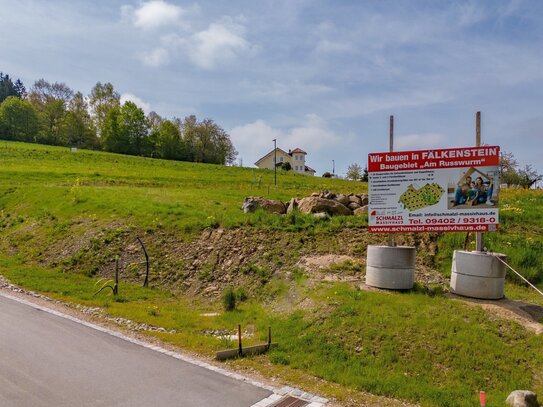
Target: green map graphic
column 428, row 195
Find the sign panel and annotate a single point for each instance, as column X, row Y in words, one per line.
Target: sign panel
column 446, row 190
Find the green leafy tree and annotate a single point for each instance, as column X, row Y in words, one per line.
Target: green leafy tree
column 102, row 99
column 354, row 172
column 170, row 144
column 18, row 120
column 112, row 137
column 207, row 142
column 50, row 101
column 77, row 127
column 125, row 130
column 134, row 126
column 285, row 166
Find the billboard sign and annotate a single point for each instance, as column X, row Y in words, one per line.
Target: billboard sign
column 445, row 190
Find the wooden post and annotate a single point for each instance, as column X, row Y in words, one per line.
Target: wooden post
column 391, row 149
column 478, row 235
column 269, row 337
column 240, row 349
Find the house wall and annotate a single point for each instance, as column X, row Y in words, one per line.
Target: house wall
column 267, row 162
column 298, row 162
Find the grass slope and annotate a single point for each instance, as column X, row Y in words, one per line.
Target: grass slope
column 427, row 349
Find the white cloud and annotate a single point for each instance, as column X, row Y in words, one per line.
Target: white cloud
column 138, row 101
column 420, row 141
column 253, row 140
column 220, row 42
column 156, row 57
column 154, row 14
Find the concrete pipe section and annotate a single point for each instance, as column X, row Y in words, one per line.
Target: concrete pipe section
column 391, row 267
column 478, row 274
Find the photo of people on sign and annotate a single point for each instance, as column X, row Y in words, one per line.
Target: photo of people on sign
column 474, row 188
column 442, row 190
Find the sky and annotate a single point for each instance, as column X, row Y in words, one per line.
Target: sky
column 320, row 75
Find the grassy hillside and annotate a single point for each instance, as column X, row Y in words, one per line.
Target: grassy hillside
column 64, row 216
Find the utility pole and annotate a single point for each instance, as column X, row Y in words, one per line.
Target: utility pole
column 333, row 168
column 275, row 160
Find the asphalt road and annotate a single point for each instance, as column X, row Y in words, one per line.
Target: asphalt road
column 46, row 360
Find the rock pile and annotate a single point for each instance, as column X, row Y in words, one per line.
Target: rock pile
column 321, row 204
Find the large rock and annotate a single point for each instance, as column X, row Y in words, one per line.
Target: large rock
column 356, row 199
column 252, row 203
column 293, row 204
column 364, row 199
column 361, row 211
column 314, row 204
column 353, row 206
column 522, row 398
column 343, row 199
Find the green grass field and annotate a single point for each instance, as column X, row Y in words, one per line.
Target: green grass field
column 414, row 346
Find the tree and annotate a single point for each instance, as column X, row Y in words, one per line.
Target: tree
column 18, row 120
column 354, row 172
column 125, row 129
column 50, row 101
column 365, row 175
column 102, row 99
column 510, row 174
column 207, row 142
column 77, row 127
column 285, row 166
column 9, row 88
column 169, row 141
column 327, row 174
column 528, row 177
column 134, row 126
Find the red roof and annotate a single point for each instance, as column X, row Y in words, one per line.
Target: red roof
column 298, row 151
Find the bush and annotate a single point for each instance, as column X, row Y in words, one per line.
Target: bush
column 229, row 299
column 327, row 175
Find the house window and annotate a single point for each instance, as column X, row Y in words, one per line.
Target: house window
column 274, row 160
column 281, row 159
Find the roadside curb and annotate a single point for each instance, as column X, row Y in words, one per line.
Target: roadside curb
column 278, row 393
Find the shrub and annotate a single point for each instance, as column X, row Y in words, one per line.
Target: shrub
column 229, row 299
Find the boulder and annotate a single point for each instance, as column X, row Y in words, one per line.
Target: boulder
column 252, row 203
column 364, row 199
column 328, row 195
column 353, row 205
column 293, row 204
column 343, row 199
column 522, row 398
column 360, row 211
column 355, row 199
column 315, row 204
column 315, row 194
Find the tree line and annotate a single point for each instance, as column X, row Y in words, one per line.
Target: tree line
column 52, row 113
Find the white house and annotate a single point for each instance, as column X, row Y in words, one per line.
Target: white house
column 296, row 159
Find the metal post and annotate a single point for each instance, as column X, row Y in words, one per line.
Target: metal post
column 333, row 167
column 240, row 349
column 391, row 149
column 269, row 337
column 275, row 160
column 478, row 235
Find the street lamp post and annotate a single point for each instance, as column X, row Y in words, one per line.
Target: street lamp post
column 275, row 160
